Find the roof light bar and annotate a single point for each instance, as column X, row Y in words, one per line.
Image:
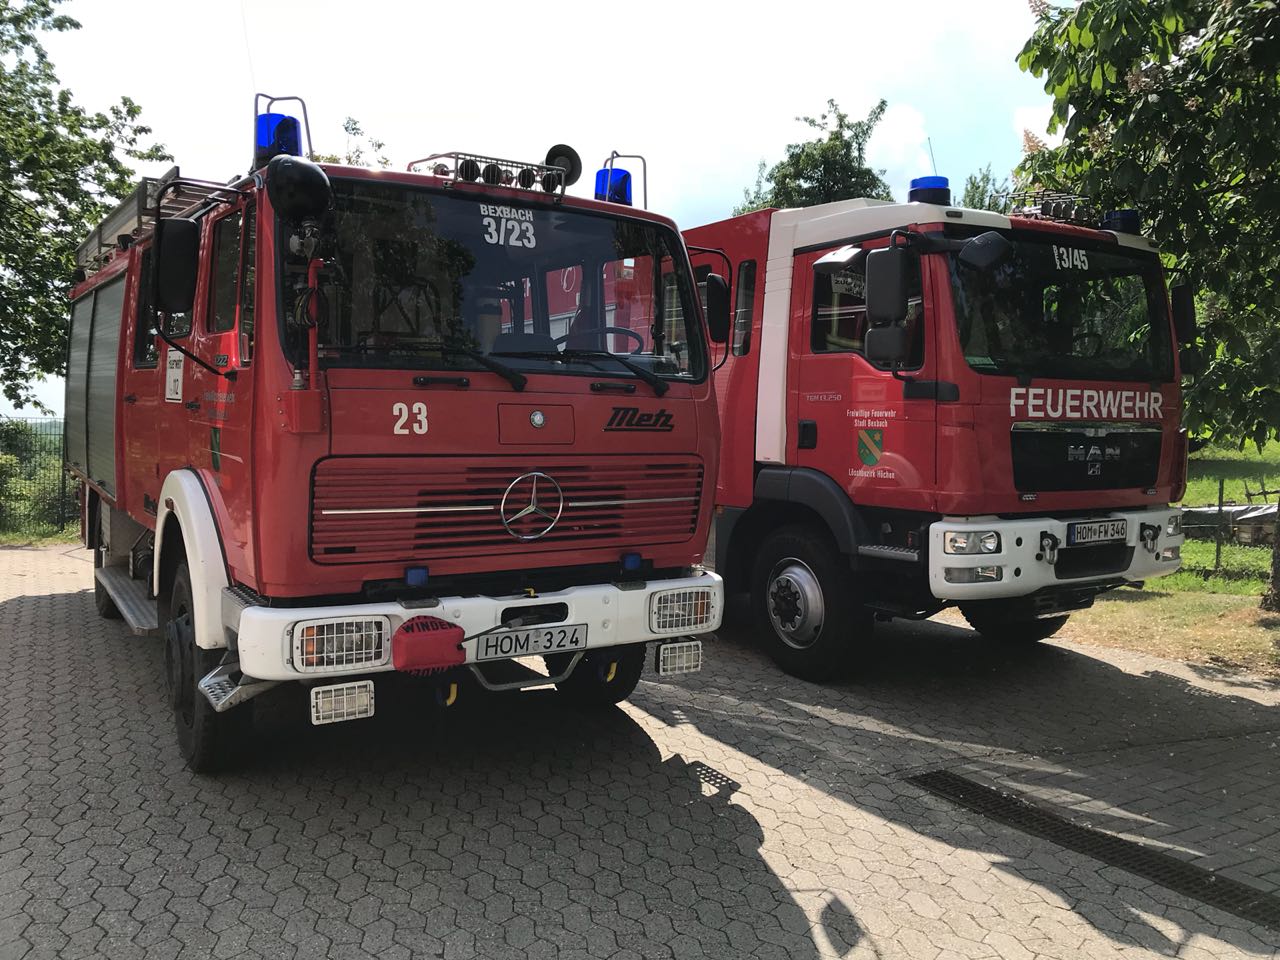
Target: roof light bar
column 474, row 167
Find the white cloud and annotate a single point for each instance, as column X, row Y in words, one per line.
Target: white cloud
column 900, row 146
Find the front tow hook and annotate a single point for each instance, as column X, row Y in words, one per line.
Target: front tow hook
column 1049, row 547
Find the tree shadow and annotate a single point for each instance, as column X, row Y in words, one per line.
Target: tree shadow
column 1120, row 751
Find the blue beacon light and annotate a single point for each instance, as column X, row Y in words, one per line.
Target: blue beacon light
column 631, row 562
column 930, row 190
column 614, row 185
column 276, row 133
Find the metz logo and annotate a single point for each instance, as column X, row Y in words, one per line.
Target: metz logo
column 630, row 418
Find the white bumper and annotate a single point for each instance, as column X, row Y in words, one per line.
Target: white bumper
column 1025, row 567
column 613, row 615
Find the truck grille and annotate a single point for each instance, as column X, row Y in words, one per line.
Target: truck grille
column 1059, row 456
column 372, row 509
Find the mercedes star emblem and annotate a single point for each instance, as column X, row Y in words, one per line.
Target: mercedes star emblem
column 543, row 501
column 537, row 418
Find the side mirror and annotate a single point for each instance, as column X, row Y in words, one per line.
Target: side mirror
column 886, row 345
column 886, row 286
column 1190, row 361
column 986, row 251
column 1182, row 299
column 177, row 253
column 717, row 306
column 298, row 189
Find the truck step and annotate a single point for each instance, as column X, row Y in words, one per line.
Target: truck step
column 907, row 554
column 131, row 599
column 225, row 686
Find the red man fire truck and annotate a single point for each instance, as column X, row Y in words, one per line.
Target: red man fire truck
column 926, row 405
column 333, row 422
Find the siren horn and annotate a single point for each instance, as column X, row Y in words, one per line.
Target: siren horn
column 567, row 159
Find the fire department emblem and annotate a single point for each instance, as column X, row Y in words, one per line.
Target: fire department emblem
column 531, row 506
column 870, row 446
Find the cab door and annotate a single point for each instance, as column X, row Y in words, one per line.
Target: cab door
column 869, row 430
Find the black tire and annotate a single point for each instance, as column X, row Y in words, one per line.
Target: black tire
column 805, row 605
column 206, row 738
column 1003, row 626
column 606, row 677
column 102, row 601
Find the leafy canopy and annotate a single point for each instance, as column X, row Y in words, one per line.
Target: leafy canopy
column 983, row 192
column 60, row 168
column 832, row 166
column 1173, row 107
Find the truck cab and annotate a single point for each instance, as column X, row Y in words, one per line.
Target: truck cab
column 334, row 423
column 926, row 406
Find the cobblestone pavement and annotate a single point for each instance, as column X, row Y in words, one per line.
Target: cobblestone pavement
column 736, row 813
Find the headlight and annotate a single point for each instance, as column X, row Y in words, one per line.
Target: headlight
column 1174, row 527
column 340, row 644
column 681, row 611
column 971, row 541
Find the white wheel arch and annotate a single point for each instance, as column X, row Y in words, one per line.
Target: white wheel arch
column 183, row 496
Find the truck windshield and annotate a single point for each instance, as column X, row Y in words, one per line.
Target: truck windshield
column 1065, row 310
column 423, row 279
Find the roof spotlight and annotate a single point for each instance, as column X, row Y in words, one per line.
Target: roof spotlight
column 492, row 174
column 440, row 169
column 468, row 170
column 527, row 178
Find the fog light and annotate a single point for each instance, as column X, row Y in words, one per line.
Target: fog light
column 973, row 574
column 343, row 701
column 680, row 611
column 684, row 656
column 971, row 541
column 1174, row 527
column 1171, row 553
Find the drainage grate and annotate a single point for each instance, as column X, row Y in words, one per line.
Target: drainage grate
column 1182, row 877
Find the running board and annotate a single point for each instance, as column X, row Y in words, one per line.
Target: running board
column 907, row 554
column 225, row 687
column 131, row 599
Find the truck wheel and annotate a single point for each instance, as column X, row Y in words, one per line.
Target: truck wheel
column 106, row 607
column 1001, row 627
column 604, row 677
column 805, row 605
column 205, row 737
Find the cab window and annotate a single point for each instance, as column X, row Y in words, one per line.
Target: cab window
column 744, row 307
column 144, row 334
column 226, row 267
column 840, row 312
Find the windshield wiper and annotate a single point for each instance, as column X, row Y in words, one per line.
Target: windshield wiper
column 659, row 385
column 513, row 377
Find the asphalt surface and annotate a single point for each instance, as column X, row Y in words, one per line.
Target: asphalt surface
column 735, row 813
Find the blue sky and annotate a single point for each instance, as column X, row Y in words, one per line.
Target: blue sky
column 705, row 91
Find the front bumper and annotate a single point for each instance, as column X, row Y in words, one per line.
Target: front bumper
column 1026, row 567
column 614, row 615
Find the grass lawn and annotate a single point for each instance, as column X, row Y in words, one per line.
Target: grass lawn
column 1235, row 466
column 1197, row 627
column 40, row 537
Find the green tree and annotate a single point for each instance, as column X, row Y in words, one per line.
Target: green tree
column 983, row 192
column 362, row 150
column 60, row 168
column 832, row 166
column 1173, row 107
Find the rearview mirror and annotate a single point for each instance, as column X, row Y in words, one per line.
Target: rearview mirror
column 177, row 254
column 986, row 251
column 1182, row 299
column 886, row 286
column 886, row 345
column 717, row 307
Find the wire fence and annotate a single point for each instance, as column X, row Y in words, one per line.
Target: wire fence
column 36, row 497
column 1237, row 538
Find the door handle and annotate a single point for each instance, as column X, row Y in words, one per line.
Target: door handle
column 192, row 404
column 130, row 398
column 808, row 435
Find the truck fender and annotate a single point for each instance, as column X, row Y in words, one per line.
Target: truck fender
column 822, row 495
column 184, row 497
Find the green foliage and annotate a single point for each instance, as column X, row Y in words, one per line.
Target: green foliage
column 983, row 192
column 60, row 166
column 362, row 150
column 18, row 438
column 1173, row 107
column 832, row 166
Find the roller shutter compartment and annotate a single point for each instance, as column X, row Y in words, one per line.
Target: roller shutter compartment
column 78, row 382
column 104, row 358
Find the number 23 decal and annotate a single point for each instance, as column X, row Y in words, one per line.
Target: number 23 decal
column 514, row 233
column 401, row 412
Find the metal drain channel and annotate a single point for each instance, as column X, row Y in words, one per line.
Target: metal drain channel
column 1011, row 809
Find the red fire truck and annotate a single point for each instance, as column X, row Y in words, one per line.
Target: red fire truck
column 927, row 406
column 334, row 422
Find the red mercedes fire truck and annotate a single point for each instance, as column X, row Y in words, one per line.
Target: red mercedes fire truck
column 334, row 422
column 927, row 406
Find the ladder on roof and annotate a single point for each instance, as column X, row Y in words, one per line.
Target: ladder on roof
column 138, row 212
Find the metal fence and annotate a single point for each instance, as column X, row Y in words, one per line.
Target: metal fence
column 36, row 496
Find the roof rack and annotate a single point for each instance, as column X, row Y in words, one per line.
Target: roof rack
column 154, row 197
column 464, row 167
column 1057, row 206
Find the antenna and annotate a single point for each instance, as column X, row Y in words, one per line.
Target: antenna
column 929, row 141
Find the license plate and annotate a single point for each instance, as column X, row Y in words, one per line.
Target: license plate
column 1096, row 531
column 560, row 638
